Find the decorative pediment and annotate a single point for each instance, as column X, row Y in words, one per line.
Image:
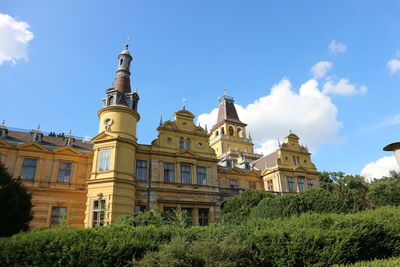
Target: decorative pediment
column 265, row 171
column 169, row 125
column 104, row 136
column 67, row 150
column 4, row 144
column 253, row 172
column 187, row 153
column 32, row 146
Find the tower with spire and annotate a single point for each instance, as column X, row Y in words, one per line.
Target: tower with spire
column 112, row 185
column 228, row 136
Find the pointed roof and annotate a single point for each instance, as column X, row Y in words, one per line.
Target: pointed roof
column 227, row 112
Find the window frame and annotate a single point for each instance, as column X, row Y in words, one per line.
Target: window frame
column 203, row 219
column 25, row 167
column 181, row 143
column 201, row 177
column 57, row 217
column 104, row 159
column 300, row 183
column 100, row 212
column 64, row 169
column 188, row 171
column 310, row 182
column 291, row 181
column 171, row 177
column 141, row 170
column 233, row 184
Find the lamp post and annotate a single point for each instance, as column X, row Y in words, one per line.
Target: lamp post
column 395, row 147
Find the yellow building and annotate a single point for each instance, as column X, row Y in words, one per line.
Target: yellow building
column 92, row 182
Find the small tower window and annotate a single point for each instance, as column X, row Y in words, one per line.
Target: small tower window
column 222, row 130
column 216, row 133
column 231, row 132
column 181, row 143
column 239, row 132
column 188, row 143
column 110, row 100
column 120, row 62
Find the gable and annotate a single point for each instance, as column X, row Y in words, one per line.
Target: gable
column 188, row 154
column 32, row 146
column 104, row 136
column 5, row 144
column 67, row 150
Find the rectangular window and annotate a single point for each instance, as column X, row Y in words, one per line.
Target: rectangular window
column 300, row 182
column 28, row 169
column 201, row 175
column 169, row 172
column 294, row 160
column 186, row 174
column 64, row 172
column 99, row 212
column 270, row 185
column 233, row 184
column 104, row 160
column 291, row 184
column 57, row 215
column 139, row 208
column 203, row 217
column 310, row 183
column 252, row 185
column 188, row 213
column 141, row 170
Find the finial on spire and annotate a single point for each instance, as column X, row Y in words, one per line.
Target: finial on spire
column 279, row 143
column 249, row 135
column 126, row 45
column 3, row 123
column 205, row 128
column 161, row 120
column 290, row 131
column 38, row 127
column 70, row 131
column 136, row 90
column 225, row 89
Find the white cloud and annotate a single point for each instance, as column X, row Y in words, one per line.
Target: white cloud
column 379, row 168
column 393, row 66
column 14, row 36
column 343, row 87
column 336, row 47
column 320, row 69
column 308, row 113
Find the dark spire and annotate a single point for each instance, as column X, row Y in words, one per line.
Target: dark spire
column 227, row 112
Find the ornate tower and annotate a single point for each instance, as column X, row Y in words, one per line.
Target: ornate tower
column 112, row 185
column 228, row 136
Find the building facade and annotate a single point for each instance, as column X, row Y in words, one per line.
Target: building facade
column 92, row 182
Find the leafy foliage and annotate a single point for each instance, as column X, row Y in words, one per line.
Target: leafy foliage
column 384, row 192
column 238, row 209
column 15, row 205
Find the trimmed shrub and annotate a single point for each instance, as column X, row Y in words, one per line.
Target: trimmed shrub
column 238, row 209
column 384, row 192
column 278, row 207
column 321, row 201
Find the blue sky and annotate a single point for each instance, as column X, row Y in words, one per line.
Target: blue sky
column 193, row 49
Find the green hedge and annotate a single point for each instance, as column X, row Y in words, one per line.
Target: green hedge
column 307, row 239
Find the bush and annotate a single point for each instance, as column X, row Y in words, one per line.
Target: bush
column 15, row 205
column 151, row 217
column 278, row 207
column 384, row 192
column 206, row 252
column 321, row 201
column 238, row 209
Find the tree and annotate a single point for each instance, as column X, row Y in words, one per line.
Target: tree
column 384, row 192
column 15, row 205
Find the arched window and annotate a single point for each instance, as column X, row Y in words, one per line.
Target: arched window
column 231, row 132
column 188, row 143
column 110, row 100
column 222, row 130
column 181, row 143
column 216, row 133
column 239, row 132
column 121, row 60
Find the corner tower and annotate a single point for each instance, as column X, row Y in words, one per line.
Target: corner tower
column 229, row 138
column 112, row 185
